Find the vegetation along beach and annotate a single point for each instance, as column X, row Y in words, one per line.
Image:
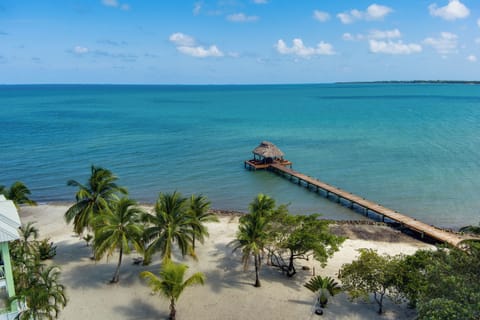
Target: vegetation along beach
column 239, row 159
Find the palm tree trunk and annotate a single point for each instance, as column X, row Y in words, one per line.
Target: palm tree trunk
column 172, row 309
column 193, row 242
column 257, row 271
column 117, row 272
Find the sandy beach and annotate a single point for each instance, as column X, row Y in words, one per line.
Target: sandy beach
column 228, row 292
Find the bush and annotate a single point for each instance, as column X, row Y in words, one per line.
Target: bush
column 46, row 249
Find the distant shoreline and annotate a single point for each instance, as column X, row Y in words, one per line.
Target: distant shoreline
column 413, row 82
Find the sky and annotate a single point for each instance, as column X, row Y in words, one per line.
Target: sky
column 237, row 41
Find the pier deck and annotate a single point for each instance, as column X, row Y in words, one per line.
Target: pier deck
column 404, row 220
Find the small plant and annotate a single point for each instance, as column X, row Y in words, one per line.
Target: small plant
column 46, row 249
column 325, row 287
column 88, row 238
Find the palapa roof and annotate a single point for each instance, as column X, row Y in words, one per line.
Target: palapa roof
column 9, row 220
column 267, row 149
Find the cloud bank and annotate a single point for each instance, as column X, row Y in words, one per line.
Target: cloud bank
column 241, row 17
column 188, row 46
column 393, row 47
column 321, row 16
column 299, row 49
column 116, row 4
column 373, row 12
column 445, row 44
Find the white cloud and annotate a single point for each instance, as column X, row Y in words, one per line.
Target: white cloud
column 374, row 34
column 110, row 3
column 241, row 17
column 392, row 47
column 80, row 50
column 180, row 39
column 197, row 7
column 386, row 34
column 201, row 52
column 373, row 12
column 445, row 44
column 116, row 4
column 452, row 11
column 347, row 36
column 477, row 40
column 345, row 18
column 377, row 12
column 260, row 1
column 321, row 16
column 472, row 58
column 478, row 23
column 299, row 49
column 187, row 45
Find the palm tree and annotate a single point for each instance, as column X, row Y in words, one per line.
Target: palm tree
column 28, row 236
column 325, row 287
column 18, row 193
column 44, row 295
column 199, row 214
column 252, row 235
column 117, row 229
column 169, row 224
column 92, row 198
column 263, row 205
column 170, row 283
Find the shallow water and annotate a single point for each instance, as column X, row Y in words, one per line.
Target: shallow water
column 413, row 148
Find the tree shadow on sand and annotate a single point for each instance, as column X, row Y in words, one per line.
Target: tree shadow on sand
column 229, row 272
column 138, row 309
column 87, row 273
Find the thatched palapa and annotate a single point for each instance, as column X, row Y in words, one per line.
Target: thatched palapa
column 266, row 154
column 267, row 149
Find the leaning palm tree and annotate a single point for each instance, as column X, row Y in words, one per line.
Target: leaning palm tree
column 170, row 283
column 169, row 224
column 117, row 229
column 18, row 193
column 199, row 214
column 325, row 287
column 96, row 196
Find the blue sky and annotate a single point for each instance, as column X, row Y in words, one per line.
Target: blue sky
column 237, row 41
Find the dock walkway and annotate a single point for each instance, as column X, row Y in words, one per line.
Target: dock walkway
column 405, row 221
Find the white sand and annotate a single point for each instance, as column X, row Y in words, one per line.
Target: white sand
column 227, row 294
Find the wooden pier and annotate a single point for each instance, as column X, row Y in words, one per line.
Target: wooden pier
column 369, row 207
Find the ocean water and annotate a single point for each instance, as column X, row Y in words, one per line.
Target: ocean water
column 414, row 148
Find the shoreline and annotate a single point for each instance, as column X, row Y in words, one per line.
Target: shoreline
column 231, row 212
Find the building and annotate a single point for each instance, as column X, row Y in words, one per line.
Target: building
column 9, row 225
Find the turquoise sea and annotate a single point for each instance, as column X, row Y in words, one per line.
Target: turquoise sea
column 412, row 147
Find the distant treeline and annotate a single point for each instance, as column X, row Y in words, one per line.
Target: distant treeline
column 416, row 82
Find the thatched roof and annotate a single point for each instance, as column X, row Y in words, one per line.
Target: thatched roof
column 267, row 149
